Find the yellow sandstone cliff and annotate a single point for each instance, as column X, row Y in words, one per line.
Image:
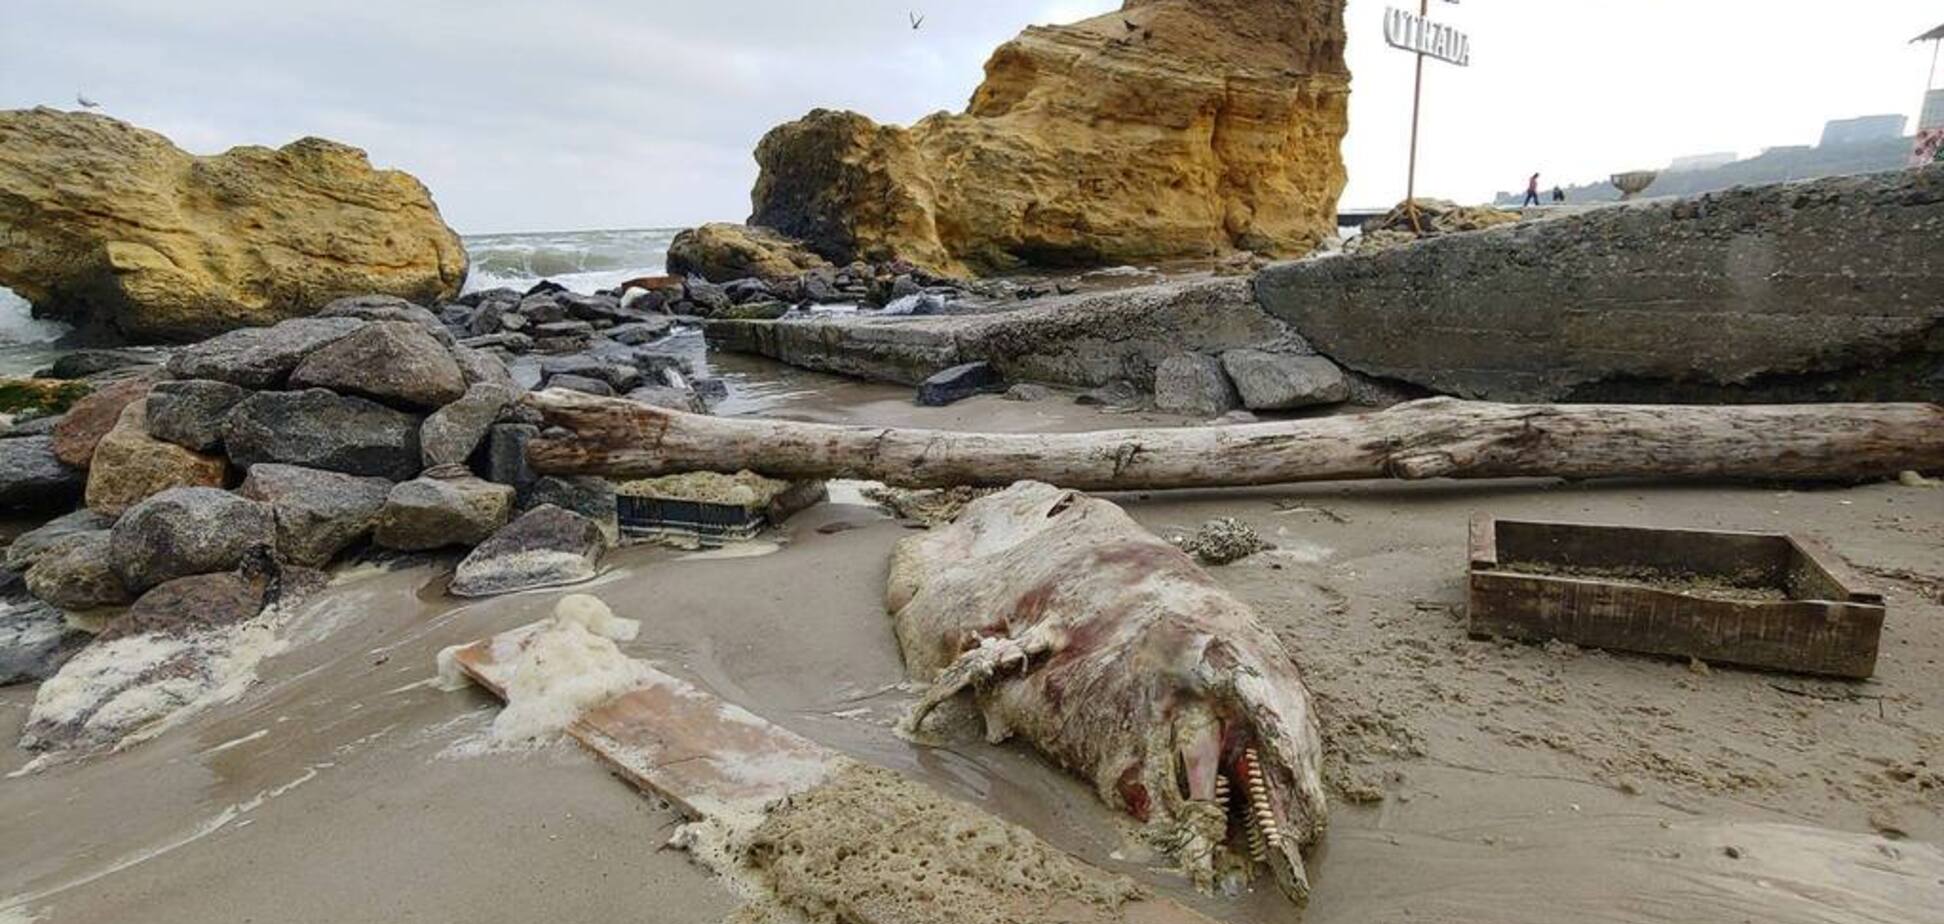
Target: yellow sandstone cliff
column 114, row 228
column 1172, row 128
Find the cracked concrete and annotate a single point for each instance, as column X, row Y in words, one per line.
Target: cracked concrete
column 1818, row 291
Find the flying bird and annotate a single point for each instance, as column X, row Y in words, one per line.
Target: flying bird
column 916, row 20
column 85, row 102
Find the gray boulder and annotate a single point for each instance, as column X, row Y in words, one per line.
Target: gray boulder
column 388, row 308
column 32, row 477
column 1280, row 381
column 201, row 601
column 542, row 308
column 192, row 412
column 643, row 331
column 590, row 496
column 1028, row 391
column 506, row 454
column 512, row 343
column 545, row 547
column 1191, row 383
column 318, row 513
column 619, row 375
column 958, row 383
column 1119, row 394
column 259, row 357
column 450, row 435
column 903, row 285
column 708, row 297
column 35, row 640
column 525, row 372
column 184, row 531
column 78, row 575
column 396, row 362
column 710, row 391
column 582, row 384
column 431, row 513
column 478, row 367
column 583, row 365
column 321, row 429
column 595, row 307
column 28, row 547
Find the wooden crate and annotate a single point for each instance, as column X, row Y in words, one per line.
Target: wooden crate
column 1672, row 592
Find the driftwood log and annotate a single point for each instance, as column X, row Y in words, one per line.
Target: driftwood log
column 1434, row 438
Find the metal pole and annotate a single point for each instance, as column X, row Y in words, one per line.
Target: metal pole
column 1417, row 96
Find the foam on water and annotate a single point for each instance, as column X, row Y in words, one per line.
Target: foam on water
column 19, row 326
column 26, row 342
column 580, row 260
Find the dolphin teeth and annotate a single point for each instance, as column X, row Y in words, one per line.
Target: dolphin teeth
column 1263, row 833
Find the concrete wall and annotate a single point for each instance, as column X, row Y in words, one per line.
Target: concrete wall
column 1080, row 340
column 1824, row 290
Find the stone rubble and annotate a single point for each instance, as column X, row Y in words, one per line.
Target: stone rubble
column 376, row 423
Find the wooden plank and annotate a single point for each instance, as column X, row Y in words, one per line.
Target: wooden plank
column 1817, row 637
column 713, row 759
column 704, row 755
column 1823, row 568
column 1741, row 558
column 1484, row 541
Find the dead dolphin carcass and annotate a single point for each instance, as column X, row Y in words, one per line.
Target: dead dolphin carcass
column 1113, row 653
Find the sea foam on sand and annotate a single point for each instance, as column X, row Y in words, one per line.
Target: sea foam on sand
column 567, row 666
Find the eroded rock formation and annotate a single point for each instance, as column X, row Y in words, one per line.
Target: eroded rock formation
column 116, row 229
column 1171, row 128
column 721, row 252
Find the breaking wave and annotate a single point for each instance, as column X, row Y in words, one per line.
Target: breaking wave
column 580, row 260
column 19, row 326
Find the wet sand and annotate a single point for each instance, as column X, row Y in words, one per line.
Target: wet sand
column 1491, row 782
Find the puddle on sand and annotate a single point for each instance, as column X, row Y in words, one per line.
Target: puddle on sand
column 308, row 762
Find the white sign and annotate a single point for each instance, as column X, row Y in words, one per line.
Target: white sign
column 1411, row 32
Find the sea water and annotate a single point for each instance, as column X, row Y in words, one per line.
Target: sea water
column 26, row 342
column 583, row 261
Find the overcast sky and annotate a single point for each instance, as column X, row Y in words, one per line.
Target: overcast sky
column 534, row 115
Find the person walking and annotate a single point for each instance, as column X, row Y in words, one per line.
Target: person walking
column 1532, row 190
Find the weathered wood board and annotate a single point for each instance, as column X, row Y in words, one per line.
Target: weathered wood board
column 1820, row 622
column 702, row 754
column 713, row 759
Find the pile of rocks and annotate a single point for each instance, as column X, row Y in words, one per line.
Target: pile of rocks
column 1258, row 380
column 269, row 449
column 740, row 272
column 602, row 344
column 1434, row 217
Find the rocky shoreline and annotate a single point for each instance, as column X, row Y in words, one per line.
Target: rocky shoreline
column 213, row 482
column 304, row 465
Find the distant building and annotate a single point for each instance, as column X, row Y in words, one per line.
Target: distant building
column 1861, row 130
column 1933, row 116
column 1703, row 161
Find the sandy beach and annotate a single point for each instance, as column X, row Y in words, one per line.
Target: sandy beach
column 1002, row 463
column 1624, row 788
